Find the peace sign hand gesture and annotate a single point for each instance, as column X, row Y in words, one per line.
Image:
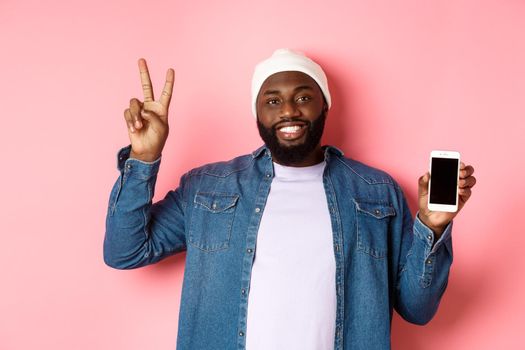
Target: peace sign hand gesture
column 148, row 121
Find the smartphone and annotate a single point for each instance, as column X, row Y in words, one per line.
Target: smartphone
column 443, row 185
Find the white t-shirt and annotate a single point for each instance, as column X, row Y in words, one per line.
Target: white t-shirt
column 292, row 298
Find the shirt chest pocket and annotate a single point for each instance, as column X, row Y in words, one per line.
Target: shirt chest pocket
column 211, row 220
column 373, row 221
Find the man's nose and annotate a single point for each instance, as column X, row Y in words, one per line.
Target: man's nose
column 289, row 109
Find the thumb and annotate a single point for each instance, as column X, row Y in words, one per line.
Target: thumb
column 423, row 185
column 152, row 118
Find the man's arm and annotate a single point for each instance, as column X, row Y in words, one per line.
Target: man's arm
column 424, row 267
column 425, row 251
column 138, row 232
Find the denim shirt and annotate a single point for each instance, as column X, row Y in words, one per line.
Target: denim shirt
column 384, row 259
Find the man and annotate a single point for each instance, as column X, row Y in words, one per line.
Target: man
column 291, row 247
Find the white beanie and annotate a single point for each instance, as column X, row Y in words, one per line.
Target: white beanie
column 283, row 60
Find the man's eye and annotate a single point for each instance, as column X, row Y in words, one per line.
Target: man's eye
column 272, row 101
column 304, row 99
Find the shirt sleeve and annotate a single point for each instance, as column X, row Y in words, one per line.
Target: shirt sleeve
column 138, row 232
column 423, row 270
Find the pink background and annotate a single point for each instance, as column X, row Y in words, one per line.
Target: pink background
column 406, row 77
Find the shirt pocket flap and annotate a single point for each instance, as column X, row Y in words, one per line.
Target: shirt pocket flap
column 377, row 210
column 216, row 202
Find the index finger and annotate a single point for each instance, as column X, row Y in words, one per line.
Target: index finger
column 466, row 171
column 165, row 97
column 145, row 80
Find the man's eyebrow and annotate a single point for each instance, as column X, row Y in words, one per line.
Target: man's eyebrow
column 276, row 92
column 271, row 92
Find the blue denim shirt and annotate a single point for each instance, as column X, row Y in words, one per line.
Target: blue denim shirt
column 384, row 259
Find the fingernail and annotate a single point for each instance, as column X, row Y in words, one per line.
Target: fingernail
column 137, row 124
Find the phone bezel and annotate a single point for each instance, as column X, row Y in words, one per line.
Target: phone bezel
column 438, row 206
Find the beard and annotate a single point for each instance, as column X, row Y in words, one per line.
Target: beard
column 289, row 155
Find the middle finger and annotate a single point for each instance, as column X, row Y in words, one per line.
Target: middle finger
column 145, row 81
column 467, row 182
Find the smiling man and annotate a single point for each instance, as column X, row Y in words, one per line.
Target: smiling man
column 293, row 246
column 291, row 119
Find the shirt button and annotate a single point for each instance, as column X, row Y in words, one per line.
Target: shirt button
column 128, row 166
column 257, row 209
column 249, row 250
column 377, row 211
column 268, row 175
column 429, row 261
column 241, row 334
column 243, row 291
column 337, row 247
column 429, row 237
column 214, row 206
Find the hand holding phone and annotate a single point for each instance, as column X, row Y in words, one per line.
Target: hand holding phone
column 444, row 190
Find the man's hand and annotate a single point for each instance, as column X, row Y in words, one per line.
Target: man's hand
column 148, row 121
column 438, row 220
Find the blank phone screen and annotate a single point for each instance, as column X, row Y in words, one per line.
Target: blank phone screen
column 443, row 183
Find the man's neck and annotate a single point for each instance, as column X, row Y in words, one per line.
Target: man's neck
column 315, row 157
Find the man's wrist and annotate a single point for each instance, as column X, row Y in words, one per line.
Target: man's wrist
column 144, row 157
column 438, row 230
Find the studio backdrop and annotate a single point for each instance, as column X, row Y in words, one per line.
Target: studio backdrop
column 406, row 77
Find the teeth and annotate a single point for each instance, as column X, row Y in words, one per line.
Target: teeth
column 290, row 129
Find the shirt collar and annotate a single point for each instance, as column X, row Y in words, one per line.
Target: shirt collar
column 328, row 149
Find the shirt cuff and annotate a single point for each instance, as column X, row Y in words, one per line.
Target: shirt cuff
column 135, row 166
column 427, row 235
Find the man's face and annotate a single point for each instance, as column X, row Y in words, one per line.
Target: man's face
column 291, row 113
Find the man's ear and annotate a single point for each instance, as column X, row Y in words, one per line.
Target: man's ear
column 325, row 104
